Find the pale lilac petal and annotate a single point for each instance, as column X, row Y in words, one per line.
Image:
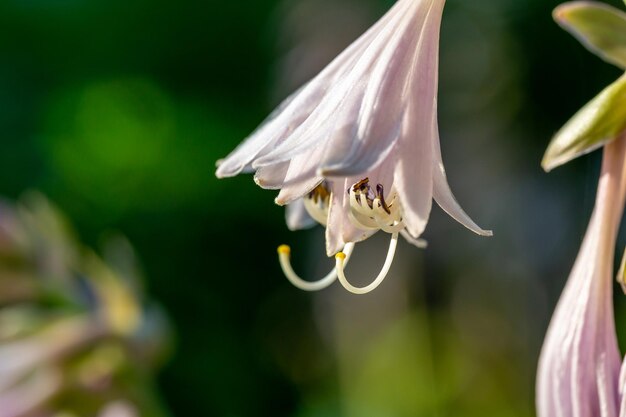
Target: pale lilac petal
column 414, row 176
column 382, row 108
column 333, row 120
column 580, row 361
column 580, row 345
column 297, row 217
column 333, row 133
column 300, row 178
column 265, row 135
column 622, row 390
column 271, row 177
column 361, row 160
column 413, row 179
column 342, row 102
column 336, row 219
column 292, row 192
column 349, row 232
column 291, row 113
column 443, row 194
column 340, row 229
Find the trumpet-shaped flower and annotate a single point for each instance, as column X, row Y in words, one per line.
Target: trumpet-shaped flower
column 579, row 368
column 356, row 149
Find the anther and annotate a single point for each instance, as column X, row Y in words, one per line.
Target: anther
column 340, row 265
column 284, row 255
column 361, row 185
column 380, row 193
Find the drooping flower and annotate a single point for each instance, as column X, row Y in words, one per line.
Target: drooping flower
column 357, row 148
column 579, row 368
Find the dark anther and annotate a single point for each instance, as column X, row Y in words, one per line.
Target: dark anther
column 361, row 185
column 380, row 193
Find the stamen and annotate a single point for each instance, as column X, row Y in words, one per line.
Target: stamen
column 362, row 222
column 341, row 260
column 356, row 202
column 380, row 193
column 284, row 255
column 390, row 228
column 377, row 214
column 361, row 185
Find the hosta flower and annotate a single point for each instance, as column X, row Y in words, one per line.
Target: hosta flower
column 579, row 368
column 357, row 147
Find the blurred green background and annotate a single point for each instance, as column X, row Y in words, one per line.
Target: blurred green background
column 118, row 111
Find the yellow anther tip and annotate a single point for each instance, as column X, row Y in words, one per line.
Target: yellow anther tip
column 284, row 250
column 340, row 255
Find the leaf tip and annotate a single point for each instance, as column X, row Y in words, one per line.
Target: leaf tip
column 551, row 160
column 563, row 12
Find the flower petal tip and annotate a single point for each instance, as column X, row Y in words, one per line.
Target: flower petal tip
column 223, row 170
column 218, row 172
column 480, row 232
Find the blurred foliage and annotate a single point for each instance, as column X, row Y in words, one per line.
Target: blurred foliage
column 119, row 110
column 76, row 337
column 602, row 29
column 599, row 27
column 599, row 122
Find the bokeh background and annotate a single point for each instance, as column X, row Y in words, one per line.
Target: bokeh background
column 118, row 110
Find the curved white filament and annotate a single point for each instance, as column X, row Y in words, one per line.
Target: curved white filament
column 396, row 227
column 341, row 260
column 284, row 255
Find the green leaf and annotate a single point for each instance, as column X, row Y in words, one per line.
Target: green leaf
column 600, row 27
column 597, row 123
